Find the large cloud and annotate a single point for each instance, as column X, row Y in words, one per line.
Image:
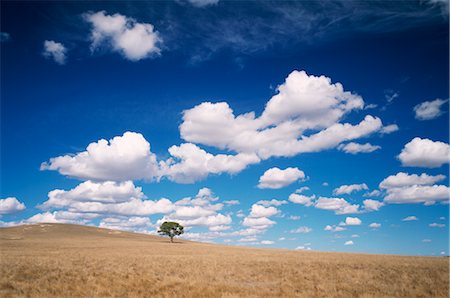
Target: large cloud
column 302, row 117
column 404, row 179
column 404, row 188
column 424, row 153
column 135, row 41
column 126, row 157
column 106, row 198
column 277, row 178
column 11, row 205
column 189, row 163
column 338, row 205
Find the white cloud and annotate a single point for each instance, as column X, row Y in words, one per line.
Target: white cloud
column 352, row 221
column 418, row 194
column 261, row 211
column 189, row 163
column 11, row 205
column 348, row 242
column 429, row 110
column 301, row 199
column 338, row 205
column 61, row 217
column 276, row 178
column 272, row 202
column 126, row 157
column 424, row 153
column 258, row 223
column 348, row 189
column 267, row 242
column 303, row 103
column 410, row 218
column 55, row 51
column 88, row 191
column 302, row 230
column 135, row 41
column 402, row 179
column 354, row 148
column 426, row 240
column 436, row 225
column 294, row 217
column 203, row 3
column 375, row 225
column 372, row 205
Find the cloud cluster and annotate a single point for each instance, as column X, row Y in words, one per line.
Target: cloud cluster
column 276, row 178
column 135, row 41
column 302, row 117
column 429, row 110
column 424, row 153
column 55, row 50
column 404, row 188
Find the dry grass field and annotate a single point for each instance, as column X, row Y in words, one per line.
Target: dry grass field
column 55, row 260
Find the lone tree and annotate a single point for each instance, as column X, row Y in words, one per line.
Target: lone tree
column 171, row 229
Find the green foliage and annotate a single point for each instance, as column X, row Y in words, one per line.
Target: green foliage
column 171, row 229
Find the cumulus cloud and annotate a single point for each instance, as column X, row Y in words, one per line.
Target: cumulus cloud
column 276, row 178
column 354, row 148
column 375, row 225
column 350, row 242
column 301, row 199
column 372, row 205
column 267, row 242
column 418, row 194
column 11, row 205
column 55, row 50
column 348, row 189
column 352, row 221
column 303, row 103
column 389, row 129
column 126, row 157
column 424, row 153
column 62, row 217
column 302, row 230
column 373, row 193
column 429, row 110
column 135, row 41
column 404, row 188
column 338, row 205
column 410, row 218
column 261, row 211
column 402, row 179
column 189, row 163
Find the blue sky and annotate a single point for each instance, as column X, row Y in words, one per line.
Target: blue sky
column 316, row 125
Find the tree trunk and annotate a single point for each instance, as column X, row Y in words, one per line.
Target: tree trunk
column 171, row 239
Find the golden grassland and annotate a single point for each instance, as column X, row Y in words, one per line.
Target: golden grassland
column 56, row 260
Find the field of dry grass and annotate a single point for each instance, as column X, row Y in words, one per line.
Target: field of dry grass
column 68, row 260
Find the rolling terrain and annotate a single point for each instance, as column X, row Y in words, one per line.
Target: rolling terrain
column 60, row 260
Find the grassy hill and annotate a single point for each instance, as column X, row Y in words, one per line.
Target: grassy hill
column 68, row 260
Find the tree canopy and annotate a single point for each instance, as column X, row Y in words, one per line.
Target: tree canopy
column 171, row 229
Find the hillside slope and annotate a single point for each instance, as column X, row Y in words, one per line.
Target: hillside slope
column 68, row 260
